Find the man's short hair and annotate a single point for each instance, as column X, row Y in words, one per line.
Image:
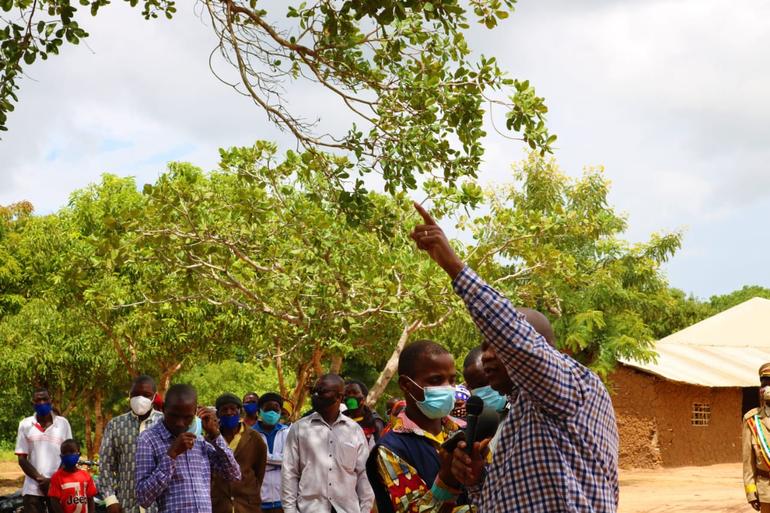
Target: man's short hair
column 359, row 384
column 181, row 392
column 473, row 356
column 144, row 379
column 41, row 390
column 410, row 356
column 270, row 396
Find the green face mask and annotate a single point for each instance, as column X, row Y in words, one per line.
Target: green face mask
column 352, row 403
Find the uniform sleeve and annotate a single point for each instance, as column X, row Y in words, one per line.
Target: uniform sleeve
column 54, row 488
column 749, row 462
column 408, row 492
column 108, row 465
column 554, row 381
column 22, row 444
column 290, row 471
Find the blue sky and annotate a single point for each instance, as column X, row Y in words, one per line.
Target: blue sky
column 669, row 96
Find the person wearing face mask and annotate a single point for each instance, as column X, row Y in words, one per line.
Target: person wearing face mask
column 72, row 490
column 250, row 409
column 116, row 454
column 326, row 452
column 355, row 400
column 274, row 433
column 250, row 452
column 558, row 447
column 756, row 447
column 37, row 447
column 408, row 469
column 174, row 465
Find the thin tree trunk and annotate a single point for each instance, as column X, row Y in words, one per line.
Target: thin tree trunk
column 87, row 421
column 317, row 356
column 390, row 368
column 98, row 422
column 336, row 364
column 299, row 393
column 278, row 360
column 165, row 377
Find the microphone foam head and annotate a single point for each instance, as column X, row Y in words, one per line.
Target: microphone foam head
column 475, row 405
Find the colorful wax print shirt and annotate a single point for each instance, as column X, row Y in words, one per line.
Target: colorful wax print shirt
column 558, row 448
column 181, row 485
column 72, row 490
column 41, row 447
column 404, row 466
column 117, row 460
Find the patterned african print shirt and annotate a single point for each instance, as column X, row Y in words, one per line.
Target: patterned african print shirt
column 558, row 449
column 405, row 489
column 117, row 464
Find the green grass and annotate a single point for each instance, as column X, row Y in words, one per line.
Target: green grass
column 6, row 451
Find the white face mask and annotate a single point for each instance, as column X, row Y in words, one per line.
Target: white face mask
column 140, row 405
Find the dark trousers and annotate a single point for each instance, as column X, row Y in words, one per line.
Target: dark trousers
column 35, row 504
column 272, row 510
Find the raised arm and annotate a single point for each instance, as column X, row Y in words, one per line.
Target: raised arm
column 552, row 379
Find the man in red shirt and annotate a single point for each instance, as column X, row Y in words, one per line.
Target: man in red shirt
column 72, row 490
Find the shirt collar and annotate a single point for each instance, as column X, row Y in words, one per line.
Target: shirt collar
column 317, row 417
column 403, row 424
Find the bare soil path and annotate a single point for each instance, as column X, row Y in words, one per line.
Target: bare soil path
column 686, row 489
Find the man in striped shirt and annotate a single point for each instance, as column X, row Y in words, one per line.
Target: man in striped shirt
column 558, row 449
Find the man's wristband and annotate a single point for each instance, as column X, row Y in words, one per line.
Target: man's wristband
column 443, row 492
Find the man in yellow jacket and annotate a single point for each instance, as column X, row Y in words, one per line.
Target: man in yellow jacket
column 756, row 447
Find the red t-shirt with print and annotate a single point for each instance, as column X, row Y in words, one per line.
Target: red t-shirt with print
column 72, row 490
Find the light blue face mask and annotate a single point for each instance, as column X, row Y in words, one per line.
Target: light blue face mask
column 439, row 401
column 491, row 398
column 195, row 426
column 270, row 418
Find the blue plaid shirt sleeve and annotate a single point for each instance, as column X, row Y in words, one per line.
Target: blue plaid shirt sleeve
column 153, row 471
column 222, row 459
column 550, row 378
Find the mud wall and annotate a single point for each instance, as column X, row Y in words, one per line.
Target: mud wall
column 655, row 422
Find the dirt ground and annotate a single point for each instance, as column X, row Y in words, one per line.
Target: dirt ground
column 717, row 488
column 690, row 489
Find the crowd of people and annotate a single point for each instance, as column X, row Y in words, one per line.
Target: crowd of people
column 555, row 450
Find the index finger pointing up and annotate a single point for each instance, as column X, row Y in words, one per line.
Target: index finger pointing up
column 425, row 215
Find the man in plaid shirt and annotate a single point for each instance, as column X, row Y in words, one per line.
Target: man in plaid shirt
column 173, row 465
column 558, row 449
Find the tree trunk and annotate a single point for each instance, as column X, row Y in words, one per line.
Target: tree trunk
column 336, row 364
column 87, row 423
column 317, row 357
column 300, row 392
column 390, row 368
column 98, row 423
column 166, row 375
column 278, row 360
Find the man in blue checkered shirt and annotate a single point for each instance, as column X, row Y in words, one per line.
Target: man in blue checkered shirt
column 558, row 448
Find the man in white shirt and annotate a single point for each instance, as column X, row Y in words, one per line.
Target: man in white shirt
column 37, row 447
column 326, row 452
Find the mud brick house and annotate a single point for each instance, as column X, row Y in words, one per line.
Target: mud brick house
column 686, row 408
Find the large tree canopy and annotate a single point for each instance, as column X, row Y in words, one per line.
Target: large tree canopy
column 402, row 69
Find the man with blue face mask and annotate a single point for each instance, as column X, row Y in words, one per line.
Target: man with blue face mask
column 37, row 448
column 407, row 468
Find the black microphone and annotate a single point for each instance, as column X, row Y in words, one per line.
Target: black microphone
column 474, row 407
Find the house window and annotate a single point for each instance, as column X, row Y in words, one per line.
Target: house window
column 701, row 414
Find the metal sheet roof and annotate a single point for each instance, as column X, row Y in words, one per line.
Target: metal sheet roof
column 725, row 350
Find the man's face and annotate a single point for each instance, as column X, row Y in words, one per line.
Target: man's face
column 494, row 370
column 40, row 398
column 178, row 415
column 143, row 390
column 432, row 370
column 271, row 406
column 328, row 394
column 355, row 392
column 69, row 448
column 228, row 409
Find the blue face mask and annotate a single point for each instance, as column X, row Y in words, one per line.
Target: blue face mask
column 69, row 460
column 269, row 418
column 229, row 421
column 439, row 401
column 43, row 410
column 491, row 398
column 195, row 426
column 250, row 408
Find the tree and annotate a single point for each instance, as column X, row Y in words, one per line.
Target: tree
column 723, row 302
column 402, row 69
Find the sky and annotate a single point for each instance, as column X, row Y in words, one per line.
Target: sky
column 669, row 96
